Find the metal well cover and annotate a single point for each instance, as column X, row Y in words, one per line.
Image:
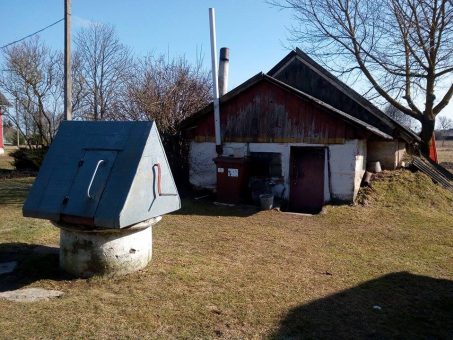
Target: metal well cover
column 104, row 174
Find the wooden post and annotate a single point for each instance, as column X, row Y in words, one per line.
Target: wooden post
column 2, row 150
column 17, row 124
column 67, row 61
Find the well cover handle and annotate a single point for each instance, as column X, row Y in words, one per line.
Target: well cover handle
column 92, row 178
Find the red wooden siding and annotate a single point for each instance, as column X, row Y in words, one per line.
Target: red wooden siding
column 267, row 113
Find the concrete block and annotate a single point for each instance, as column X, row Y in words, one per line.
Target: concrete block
column 85, row 253
column 389, row 153
column 30, row 295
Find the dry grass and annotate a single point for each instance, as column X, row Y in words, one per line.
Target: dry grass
column 445, row 153
column 238, row 273
column 6, row 160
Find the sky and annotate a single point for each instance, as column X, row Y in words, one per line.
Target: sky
column 255, row 32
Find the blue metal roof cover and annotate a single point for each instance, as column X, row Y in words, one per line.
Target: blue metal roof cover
column 113, row 174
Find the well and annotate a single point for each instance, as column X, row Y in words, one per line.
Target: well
column 104, row 184
column 85, row 253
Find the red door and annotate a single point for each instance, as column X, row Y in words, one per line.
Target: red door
column 307, row 179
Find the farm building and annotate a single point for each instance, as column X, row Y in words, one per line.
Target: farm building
column 444, row 134
column 297, row 131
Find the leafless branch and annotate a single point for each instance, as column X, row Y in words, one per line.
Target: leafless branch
column 396, row 44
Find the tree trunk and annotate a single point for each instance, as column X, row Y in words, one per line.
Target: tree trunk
column 426, row 135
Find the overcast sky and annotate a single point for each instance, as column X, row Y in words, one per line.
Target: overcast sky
column 255, row 32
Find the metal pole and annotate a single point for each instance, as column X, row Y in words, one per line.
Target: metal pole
column 67, row 61
column 215, row 80
column 224, row 65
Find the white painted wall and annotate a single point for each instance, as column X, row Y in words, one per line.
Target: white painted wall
column 347, row 165
column 202, row 169
column 360, row 165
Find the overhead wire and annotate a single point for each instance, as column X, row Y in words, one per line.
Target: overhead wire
column 30, row 35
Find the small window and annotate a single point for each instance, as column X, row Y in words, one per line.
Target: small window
column 266, row 164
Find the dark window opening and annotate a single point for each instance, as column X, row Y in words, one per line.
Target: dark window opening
column 266, row 164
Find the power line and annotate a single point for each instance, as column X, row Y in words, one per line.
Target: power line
column 30, row 35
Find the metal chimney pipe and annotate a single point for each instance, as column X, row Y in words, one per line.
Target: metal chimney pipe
column 215, row 89
column 224, row 66
column 67, row 61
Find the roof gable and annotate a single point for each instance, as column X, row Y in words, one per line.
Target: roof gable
column 298, row 70
column 265, row 103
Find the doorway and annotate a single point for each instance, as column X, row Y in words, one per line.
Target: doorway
column 307, row 179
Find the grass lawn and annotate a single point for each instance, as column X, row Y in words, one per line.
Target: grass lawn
column 381, row 269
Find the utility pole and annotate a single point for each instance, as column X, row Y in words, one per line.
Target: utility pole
column 67, row 62
column 17, row 124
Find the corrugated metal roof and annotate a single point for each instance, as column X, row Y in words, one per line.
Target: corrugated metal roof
column 436, row 172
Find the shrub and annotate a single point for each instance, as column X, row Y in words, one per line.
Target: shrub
column 28, row 159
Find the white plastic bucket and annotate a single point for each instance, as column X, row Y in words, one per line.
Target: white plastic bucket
column 266, row 201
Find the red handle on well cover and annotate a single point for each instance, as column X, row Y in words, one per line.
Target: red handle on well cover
column 159, row 188
column 159, row 182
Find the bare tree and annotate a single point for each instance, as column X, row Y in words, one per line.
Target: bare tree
column 33, row 79
column 403, row 48
column 444, row 124
column 167, row 91
column 105, row 64
column 400, row 117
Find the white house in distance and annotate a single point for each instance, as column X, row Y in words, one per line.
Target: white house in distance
column 3, row 104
